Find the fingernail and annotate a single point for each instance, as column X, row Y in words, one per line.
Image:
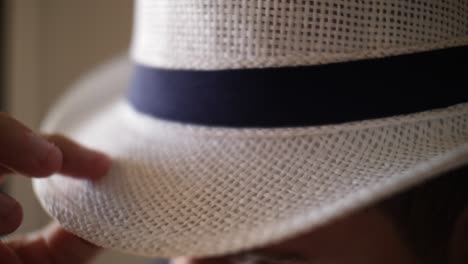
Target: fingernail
column 95, row 164
column 47, row 154
column 100, row 165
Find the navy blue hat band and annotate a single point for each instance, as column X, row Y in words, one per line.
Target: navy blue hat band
column 306, row 95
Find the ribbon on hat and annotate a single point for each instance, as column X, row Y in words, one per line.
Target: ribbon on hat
column 306, row 95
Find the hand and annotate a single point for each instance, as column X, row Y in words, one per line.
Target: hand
column 24, row 152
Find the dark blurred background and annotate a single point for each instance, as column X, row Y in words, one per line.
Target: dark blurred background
column 3, row 51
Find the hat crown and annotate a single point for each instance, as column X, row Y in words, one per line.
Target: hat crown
column 215, row 34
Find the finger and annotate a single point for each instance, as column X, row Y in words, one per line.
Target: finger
column 11, row 214
column 52, row 245
column 8, row 256
column 67, row 248
column 79, row 161
column 24, row 151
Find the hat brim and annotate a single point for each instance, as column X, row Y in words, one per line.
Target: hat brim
column 179, row 189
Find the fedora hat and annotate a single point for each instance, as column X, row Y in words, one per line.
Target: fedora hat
column 235, row 124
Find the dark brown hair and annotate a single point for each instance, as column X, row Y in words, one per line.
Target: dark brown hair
column 427, row 214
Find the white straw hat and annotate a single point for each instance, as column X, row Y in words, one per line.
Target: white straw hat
column 248, row 122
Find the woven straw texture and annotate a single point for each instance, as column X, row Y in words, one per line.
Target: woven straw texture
column 216, row 34
column 179, row 189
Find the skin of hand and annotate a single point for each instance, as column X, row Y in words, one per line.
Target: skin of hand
column 24, row 152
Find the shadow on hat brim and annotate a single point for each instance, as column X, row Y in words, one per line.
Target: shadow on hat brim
column 179, row 189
